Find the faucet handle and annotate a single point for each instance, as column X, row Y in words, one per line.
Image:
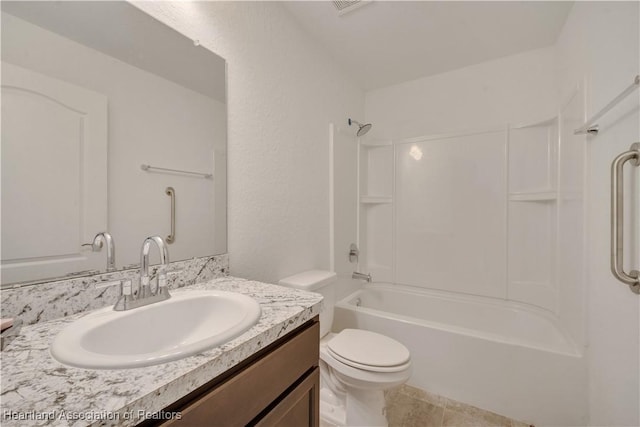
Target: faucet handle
column 127, row 288
column 163, row 276
column 145, row 280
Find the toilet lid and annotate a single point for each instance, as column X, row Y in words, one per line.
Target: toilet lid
column 366, row 349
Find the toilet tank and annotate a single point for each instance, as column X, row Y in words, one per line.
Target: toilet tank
column 319, row 281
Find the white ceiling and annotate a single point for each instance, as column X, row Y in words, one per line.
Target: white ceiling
column 388, row 42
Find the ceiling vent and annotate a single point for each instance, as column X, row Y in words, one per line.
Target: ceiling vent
column 346, row 6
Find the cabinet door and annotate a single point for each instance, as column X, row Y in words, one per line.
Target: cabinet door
column 242, row 398
column 299, row 408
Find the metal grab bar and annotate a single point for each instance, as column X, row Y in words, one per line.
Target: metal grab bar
column 172, row 193
column 617, row 218
column 589, row 126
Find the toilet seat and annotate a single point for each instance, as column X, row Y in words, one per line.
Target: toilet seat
column 370, row 368
column 368, row 351
column 361, row 378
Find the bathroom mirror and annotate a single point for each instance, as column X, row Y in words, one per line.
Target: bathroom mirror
column 91, row 92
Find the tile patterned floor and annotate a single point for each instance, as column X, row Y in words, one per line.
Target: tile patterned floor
column 411, row 407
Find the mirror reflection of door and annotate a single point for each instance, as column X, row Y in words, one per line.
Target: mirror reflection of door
column 54, row 143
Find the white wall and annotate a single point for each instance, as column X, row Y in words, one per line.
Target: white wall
column 600, row 42
column 283, row 92
column 514, row 89
column 142, row 112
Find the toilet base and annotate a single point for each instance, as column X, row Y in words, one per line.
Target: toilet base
column 357, row 408
column 332, row 413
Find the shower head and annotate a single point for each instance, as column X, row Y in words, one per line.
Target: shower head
column 362, row 129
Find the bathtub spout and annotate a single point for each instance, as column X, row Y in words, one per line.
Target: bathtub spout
column 361, row 276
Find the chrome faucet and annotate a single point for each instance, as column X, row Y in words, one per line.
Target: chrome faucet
column 105, row 239
column 361, row 276
column 145, row 290
column 127, row 298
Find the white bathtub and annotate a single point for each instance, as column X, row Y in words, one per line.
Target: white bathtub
column 501, row 356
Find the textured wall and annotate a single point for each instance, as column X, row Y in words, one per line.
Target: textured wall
column 283, row 92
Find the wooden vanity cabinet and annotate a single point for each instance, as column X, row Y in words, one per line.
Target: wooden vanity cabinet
column 279, row 386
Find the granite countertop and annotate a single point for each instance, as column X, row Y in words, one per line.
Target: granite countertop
column 38, row 390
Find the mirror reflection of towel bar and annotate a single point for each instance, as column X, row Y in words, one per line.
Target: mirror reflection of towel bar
column 150, row 168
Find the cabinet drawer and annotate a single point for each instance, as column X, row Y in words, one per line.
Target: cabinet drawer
column 299, row 408
column 238, row 400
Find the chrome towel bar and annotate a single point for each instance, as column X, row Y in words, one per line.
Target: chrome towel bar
column 589, row 126
column 617, row 218
column 156, row 168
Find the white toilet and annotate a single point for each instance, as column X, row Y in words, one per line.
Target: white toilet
column 355, row 365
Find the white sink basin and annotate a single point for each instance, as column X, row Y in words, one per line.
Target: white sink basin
column 187, row 323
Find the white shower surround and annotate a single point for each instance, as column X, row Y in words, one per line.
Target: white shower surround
column 511, row 359
column 490, row 213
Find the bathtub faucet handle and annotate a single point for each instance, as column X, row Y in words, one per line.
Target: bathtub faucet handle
column 361, row 276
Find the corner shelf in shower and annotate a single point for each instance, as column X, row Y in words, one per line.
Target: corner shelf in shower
column 533, row 196
column 376, row 200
